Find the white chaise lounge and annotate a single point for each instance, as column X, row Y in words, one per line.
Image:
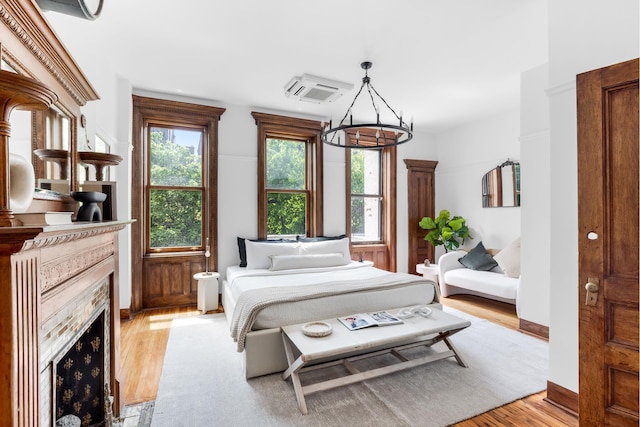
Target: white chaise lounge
column 497, row 284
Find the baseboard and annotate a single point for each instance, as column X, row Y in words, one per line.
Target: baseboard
column 539, row 331
column 125, row 314
column 563, row 398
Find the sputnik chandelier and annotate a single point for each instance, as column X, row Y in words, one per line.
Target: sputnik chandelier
column 378, row 134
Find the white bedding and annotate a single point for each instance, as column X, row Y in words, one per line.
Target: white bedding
column 243, row 279
column 239, row 280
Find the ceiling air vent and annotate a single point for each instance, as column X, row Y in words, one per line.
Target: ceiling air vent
column 315, row 89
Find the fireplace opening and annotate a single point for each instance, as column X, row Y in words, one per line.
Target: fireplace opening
column 79, row 378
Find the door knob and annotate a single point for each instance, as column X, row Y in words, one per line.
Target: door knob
column 592, row 291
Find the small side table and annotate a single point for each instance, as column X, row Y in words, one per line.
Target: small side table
column 431, row 273
column 207, row 290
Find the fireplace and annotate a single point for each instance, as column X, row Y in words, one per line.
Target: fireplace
column 79, row 377
column 59, row 297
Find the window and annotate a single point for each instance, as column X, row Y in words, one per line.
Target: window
column 287, row 193
column 176, row 187
column 371, row 201
column 366, row 195
column 289, row 176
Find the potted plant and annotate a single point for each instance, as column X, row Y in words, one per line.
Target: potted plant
column 445, row 230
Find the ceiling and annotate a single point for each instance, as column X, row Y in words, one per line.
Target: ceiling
column 442, row 63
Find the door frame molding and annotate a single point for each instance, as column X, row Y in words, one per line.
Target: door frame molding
column 165, row 110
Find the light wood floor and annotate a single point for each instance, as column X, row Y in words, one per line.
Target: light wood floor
column 144, row 340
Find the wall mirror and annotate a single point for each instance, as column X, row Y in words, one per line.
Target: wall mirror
column 51, row 144
column 501, row 186
column 43, row 138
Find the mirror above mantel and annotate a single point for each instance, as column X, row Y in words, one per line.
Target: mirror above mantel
column 501, row 186
column 30, row 48
column 51, row 145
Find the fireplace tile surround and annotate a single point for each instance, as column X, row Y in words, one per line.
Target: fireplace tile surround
column 62, row 334
column 42, row 314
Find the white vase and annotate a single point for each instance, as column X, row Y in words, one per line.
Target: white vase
column 22, row 183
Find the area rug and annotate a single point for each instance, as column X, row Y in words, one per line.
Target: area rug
column 202, row 383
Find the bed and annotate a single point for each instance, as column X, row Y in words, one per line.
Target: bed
column 289, row 282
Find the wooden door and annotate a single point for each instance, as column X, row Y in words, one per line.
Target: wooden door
column 608, row 244
column 421, row 193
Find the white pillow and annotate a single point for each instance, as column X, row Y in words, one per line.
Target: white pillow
column 509, row 259
column 327, row 247
column 289, row 262
column 258, row 252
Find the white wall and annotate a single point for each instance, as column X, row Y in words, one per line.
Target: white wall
column 123, row 147
column 465, row 154
column 583, row 35
column 534, row 292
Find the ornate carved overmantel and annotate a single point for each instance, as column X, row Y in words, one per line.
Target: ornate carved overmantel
column 32, row 48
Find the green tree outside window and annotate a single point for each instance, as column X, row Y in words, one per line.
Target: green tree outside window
column 286, row 166
column 176, row 190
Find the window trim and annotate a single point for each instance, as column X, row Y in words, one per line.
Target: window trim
column 161, row 111
column 389, row 199
column 294, row 129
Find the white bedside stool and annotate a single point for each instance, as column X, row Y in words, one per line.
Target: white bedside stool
column 207, row 290
column 429, row 272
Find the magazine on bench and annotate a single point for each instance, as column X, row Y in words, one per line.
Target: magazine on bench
column 365, row 320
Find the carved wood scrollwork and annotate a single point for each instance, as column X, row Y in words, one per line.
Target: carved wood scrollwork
column 56, row 273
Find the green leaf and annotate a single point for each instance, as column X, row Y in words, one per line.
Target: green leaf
column 443, row 215
column 427, row 223
column 434, row 237
column 456, row 224
column 447, row 233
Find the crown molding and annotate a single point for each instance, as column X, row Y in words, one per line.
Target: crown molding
column 27, row 23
